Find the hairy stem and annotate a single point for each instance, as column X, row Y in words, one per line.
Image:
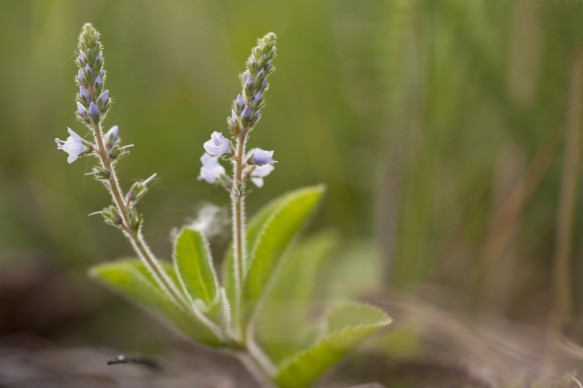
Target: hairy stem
column 135, row 237
column 238, row 208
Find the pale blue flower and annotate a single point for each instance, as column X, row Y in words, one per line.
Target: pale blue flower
column 74, row 146
column 211, row 169
column 257, row 173
column 218, row 145
column 260, row 157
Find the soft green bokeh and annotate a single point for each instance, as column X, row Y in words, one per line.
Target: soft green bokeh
column 420, row 117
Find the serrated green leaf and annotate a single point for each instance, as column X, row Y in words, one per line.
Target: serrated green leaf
column 132, row 280
column 350, row 325
column 194, row 266
column 275, row 237
column 283, row 323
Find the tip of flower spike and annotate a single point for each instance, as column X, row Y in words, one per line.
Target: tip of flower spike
column 270, row 36
column 88, row 28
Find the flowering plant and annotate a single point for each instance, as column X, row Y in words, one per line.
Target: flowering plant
column 257, row 311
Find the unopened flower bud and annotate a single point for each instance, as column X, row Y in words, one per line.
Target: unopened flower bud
column 111, row 137
column 93, row 110
column 257, row 98
column 81, row 109
column 111, row 216
column 240, row 103
column 136, row 219
column 104, row 97
column 138, row 191
column 83, row 92
column 100, row 173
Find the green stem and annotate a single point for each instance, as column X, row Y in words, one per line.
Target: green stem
column 238, row 209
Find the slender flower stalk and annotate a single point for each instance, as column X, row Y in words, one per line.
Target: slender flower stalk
column 245, row 114
column 93, row 102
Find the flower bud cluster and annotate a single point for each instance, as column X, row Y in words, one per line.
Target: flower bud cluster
column 257, row 163
column 92, row 99
column 93, row 103
column 246, row 110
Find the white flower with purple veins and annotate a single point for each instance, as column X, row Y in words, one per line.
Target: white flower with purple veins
column 218, row 145
column 74, row 146
column 260, row 157
column 257, row 173
column 211, row 169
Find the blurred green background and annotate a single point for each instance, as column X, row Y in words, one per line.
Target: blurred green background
column 439, row 128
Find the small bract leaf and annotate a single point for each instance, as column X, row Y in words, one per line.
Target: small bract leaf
column 276, row 235
column 132, row 280
column 194, row 266
column 351, row 325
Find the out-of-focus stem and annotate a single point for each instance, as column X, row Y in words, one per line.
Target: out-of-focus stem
column 567, row 201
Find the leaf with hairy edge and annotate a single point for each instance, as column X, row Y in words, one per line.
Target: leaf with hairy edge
column 283, row 322
column 220, row 311
column 348, row 326
column 194, row 266
column 275, row 237
column 131, row 279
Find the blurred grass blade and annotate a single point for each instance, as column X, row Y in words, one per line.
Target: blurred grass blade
column 277, row 233
column 132, row 280
column 194, row 266
column 347, row 327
